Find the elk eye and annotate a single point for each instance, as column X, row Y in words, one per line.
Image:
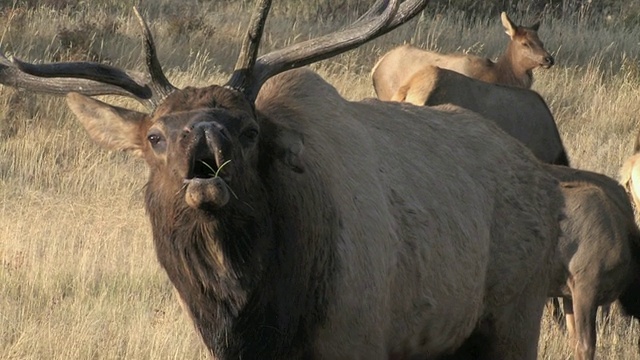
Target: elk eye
column 154, row 139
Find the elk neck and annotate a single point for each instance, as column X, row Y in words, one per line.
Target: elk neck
column 511, row 72
column 214, row 259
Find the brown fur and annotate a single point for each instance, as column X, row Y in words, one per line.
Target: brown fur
column 524, row 53
column 356, row 230
column 521, row 113
column 599, row 253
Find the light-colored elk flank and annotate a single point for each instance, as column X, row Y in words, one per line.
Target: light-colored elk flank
column 521, row 113
column 630, row 176
column 524, row 53
column 295, row 224
column 599, row 254
column 630, row 179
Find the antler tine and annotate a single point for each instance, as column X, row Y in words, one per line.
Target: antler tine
column 389, row 16
column 241, row 76
column 160, row 85
column 16, row 73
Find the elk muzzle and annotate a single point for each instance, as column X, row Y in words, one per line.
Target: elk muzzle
column 208, row 145
column 547, row 61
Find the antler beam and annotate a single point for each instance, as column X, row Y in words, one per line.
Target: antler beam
column 90, row 78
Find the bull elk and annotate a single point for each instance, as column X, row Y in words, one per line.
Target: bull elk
column 599, row 254
column 521, row 113
column 295, row 224
column 524, row 53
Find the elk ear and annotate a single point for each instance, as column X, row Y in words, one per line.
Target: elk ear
column 110, row 126
column 509, row 27
column 290, row 146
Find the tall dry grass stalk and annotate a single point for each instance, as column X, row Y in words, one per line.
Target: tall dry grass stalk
column 78, row 276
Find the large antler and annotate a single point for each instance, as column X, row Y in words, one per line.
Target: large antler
column 250, row 74
column 90, row 78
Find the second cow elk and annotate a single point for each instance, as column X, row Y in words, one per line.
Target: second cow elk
column 524, row 53
column 493, row 90
column 295, row 224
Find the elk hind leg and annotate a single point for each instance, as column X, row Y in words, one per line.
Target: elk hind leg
column 567, row 305
column 585, row 311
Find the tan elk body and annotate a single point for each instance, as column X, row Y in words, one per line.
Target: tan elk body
column 525, row 52
column 295, row 224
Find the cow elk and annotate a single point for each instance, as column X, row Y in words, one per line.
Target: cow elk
column 524, row 53
column 521, row 113
column 599, row 254
column 295, row 224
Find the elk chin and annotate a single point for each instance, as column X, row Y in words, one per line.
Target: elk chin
column 201, row 192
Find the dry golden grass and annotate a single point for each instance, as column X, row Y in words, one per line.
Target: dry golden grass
column 78, row 276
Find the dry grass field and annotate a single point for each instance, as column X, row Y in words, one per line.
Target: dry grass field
column 78, row 276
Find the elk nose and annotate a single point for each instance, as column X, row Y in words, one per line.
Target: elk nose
column 210, row 140
column 549, row 60
column 215, row 135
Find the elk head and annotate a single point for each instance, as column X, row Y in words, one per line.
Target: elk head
column 526, row 46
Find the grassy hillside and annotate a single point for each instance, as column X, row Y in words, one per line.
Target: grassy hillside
column 78, row 276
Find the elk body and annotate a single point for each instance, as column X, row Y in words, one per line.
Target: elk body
column 524, row 53
column 521, row 113
column 295, row 224
column 599, row 254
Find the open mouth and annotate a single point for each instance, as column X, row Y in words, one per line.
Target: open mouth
column 204, row 168
column 206, row 183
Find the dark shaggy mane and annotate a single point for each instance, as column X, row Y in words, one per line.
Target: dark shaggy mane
column 257, row 283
